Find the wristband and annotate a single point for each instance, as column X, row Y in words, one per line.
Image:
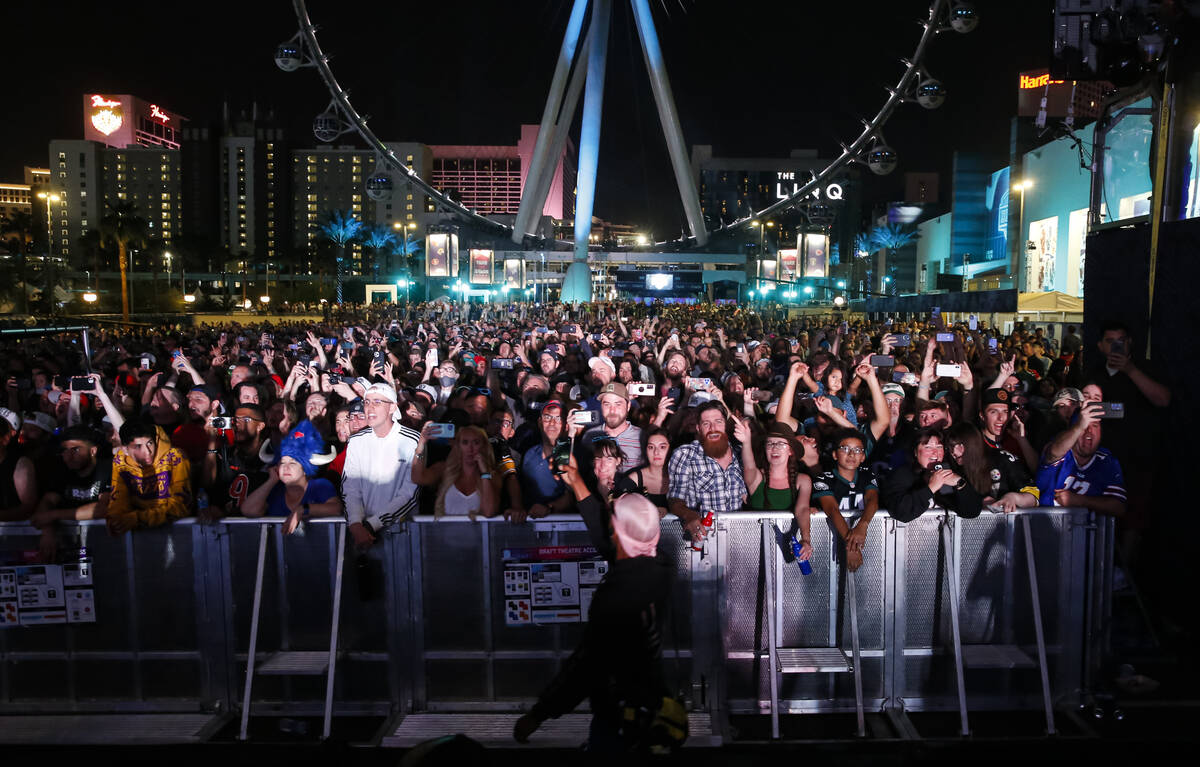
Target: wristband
column 485, row 476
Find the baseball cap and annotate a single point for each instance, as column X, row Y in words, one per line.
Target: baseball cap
column 1068, row 394
column 596, row 361
column 893, row 388
column 427, row 389
column 382, row 390
column 13, row 419
column 999, row 397
column 42, row 421
column 615, row 388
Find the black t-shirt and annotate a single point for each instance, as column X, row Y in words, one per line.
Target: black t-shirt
column 1006, row 471
column 78, row 490
column 237, row 476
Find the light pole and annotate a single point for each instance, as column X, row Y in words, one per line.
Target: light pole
column 1015, row 266
column 49, row 197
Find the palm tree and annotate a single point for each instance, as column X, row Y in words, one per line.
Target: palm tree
column 20, row 223
column 340, row 228
column 886, row 238
column 377, row 238
column 123, row 227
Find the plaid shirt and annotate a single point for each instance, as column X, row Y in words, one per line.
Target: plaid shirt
column 701, row 483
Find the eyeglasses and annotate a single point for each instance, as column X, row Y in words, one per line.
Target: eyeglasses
column 376, row 402
column 244, row 419
column 777, row 445
column 938, row 448
column 851, row 450
column 547, row 418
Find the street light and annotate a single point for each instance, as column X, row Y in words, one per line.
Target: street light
column 1015, row 267
column 49, row 197
column 189, row 298
column 839, row 301
column 90, row 297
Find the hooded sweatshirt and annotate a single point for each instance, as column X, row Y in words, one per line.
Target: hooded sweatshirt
column 152, row 495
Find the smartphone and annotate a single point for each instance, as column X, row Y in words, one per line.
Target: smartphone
column 293, row 347
column 570, row 329
column 560, row 457
column 741, row 348
column 698, row 384
column 435, row 355
column 973, row 322
column 949, row 371
column 935, row 312
column 902, row 340
column 1112, row 409
column 221, row 422
column 637, row 334
column 442, row 431
column 763, row 395
column 585, row 418
column 882, row 360
column 542, row 330
column 674, row 393
column 329, row 341
column 82, row 383
column 945, row 338
column 1118, row 347
column 616, row 353
column 502, row 363
column 380, row 358
column 597, row 336
column 641, row 390
column 145, row 363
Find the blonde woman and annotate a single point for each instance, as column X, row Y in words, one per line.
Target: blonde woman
column 466, row 480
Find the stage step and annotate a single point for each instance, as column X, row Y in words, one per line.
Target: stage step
column 294, row 663
column 813, row 660
column 495, row 730
column 108, row 729
column 995, row 656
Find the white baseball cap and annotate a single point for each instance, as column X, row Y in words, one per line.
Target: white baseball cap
column 13, row 419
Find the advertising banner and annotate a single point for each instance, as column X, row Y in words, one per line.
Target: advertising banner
column 514, row 273
column 550, row 584
column 768, row 269
column 816, row 255
column 442, row 255
column 788, row 264
column 481, row 266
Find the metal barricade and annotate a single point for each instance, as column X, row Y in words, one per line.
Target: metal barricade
column 423, row 628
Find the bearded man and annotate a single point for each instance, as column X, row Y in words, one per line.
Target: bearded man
column 706, row 475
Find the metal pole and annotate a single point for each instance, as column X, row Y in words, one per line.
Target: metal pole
column 1037, row 626
column 549, row 125
column 577, row 282
column 258, row 581
column 333, row 632
column 676, row 148
column 952, row 585
column 768, row 563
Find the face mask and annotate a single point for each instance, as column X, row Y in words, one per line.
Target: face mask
column 447, row 381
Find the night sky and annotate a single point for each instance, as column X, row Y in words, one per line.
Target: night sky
column 752, row 78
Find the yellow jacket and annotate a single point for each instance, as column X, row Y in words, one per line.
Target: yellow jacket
column 152, row 495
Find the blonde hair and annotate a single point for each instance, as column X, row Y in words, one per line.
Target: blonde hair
column 454, row 467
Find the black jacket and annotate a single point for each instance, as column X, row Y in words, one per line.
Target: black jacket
column 906, row 496
column 619, row 660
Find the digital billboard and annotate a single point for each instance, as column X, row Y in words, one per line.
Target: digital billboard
column 442, row 258
column 121, row 120
column 658, row 281
column 481, row 266
column 996, row 201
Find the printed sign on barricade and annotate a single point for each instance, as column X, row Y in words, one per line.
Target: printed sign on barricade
column 550, row 584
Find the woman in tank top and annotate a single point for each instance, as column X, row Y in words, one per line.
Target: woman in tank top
column 650, row 479
column 776, row 484
column 469, row 484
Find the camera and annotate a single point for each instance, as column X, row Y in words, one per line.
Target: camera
column 304, row 359
column 641, row 390
column 221, row 422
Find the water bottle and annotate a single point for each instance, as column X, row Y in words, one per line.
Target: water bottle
column 805, row 565
column 706, row 521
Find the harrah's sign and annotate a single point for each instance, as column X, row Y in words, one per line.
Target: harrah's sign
column 1028, row 82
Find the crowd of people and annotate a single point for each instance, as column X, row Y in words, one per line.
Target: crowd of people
column 519, row 409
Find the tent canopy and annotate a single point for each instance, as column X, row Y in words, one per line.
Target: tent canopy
column 1051, row 301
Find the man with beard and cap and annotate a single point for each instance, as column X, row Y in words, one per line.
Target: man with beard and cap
column 705, row 476
column 232, row 472
column 618, row 663
column 604, row 370
column 614, row 410
column 377, row 480
column 1077, row 472
column 548, row 362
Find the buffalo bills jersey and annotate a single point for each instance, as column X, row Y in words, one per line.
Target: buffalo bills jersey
column 1101, row 475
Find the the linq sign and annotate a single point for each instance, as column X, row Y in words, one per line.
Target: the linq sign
column 784, row 177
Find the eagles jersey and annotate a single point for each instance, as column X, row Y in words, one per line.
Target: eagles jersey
column 1101, row 475
column 850, row 495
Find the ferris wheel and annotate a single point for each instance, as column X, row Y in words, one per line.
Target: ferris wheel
column 580, row 72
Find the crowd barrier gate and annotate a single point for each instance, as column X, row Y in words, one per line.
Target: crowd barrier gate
column 422, row 621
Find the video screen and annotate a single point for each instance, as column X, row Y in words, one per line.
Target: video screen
column 660, row 281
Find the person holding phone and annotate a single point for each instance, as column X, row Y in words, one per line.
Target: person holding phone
column 543, row 490
column 1077, row 472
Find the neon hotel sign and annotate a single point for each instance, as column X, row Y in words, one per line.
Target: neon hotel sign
column 1038, row 81
column 832, row 192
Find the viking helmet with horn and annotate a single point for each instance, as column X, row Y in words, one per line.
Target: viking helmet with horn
column 304, row 444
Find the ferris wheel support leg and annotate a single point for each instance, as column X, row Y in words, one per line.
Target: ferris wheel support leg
column 574, row 289
column 562, row 130
column 669, row 118
column 549, row 125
